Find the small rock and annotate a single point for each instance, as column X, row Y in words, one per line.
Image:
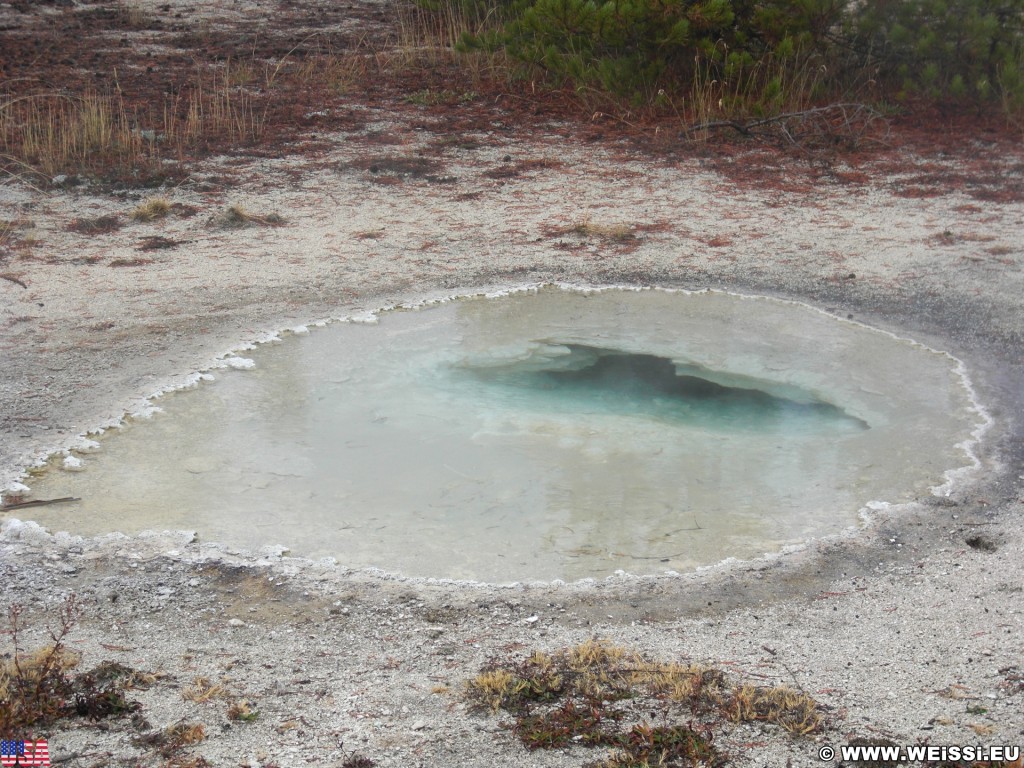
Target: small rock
column 236, row 623
column 419, row 725
column 533, row 619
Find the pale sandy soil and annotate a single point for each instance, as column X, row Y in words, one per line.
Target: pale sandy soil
column 904, row 631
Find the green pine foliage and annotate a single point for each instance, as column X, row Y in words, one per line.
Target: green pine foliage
column 944, row 49
column 760, row 56
column 637, row 48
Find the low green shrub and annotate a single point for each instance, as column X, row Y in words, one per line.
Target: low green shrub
column 757, row 57
column 640, row 49
column 943, row 49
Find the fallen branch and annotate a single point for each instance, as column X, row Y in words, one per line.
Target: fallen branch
column 37, row 503
column 836, row 123
column 14, row 280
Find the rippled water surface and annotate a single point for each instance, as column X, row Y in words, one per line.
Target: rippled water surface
column 543, row 434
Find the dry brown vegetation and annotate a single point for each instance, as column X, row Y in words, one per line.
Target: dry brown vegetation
column 151, row 209
column 237, row 216
column 41, row 686
column 599, row 694
column 141, row 114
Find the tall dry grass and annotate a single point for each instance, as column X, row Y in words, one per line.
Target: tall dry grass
column 217, row 106
column 432, row 36
column 53, row 133
column 96, row 134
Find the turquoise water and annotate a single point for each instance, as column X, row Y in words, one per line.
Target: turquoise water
column 590, row 381
column 539, row 435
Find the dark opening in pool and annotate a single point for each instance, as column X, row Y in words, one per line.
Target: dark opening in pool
column 591, row 379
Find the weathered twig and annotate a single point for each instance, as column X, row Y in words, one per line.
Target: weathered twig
column 70, row 756
column 13, row 279
column 841, row 121
column 37, row 503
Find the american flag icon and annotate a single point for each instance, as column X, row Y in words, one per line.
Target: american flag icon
column 22, row 752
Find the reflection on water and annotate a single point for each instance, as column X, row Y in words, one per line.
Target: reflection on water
column 536, row 436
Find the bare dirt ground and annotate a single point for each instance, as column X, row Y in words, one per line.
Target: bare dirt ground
column 910, row 631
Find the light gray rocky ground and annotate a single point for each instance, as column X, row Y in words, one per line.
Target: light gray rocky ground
column 904, row 631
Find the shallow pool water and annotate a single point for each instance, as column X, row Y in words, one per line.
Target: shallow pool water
column 537, row 435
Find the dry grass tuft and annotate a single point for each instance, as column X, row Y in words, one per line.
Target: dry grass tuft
column 237, row 217
column 496, row 689
column 681, row 682
column 38, row 688
column 793, row 710
column 7, row 232
column 243, row 711
column 97, row 225
column 14, row 230
column 588, row 229
column 172, row 739
column 151, row 209
column 203, row 690
column 182, row 733
column 618, row 233
column 369, row 234
column 588, row 695
column 35, row 687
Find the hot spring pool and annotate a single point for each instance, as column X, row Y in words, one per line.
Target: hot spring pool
column 546, row 433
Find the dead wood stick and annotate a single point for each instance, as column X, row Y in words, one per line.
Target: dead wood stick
column 38, row 503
